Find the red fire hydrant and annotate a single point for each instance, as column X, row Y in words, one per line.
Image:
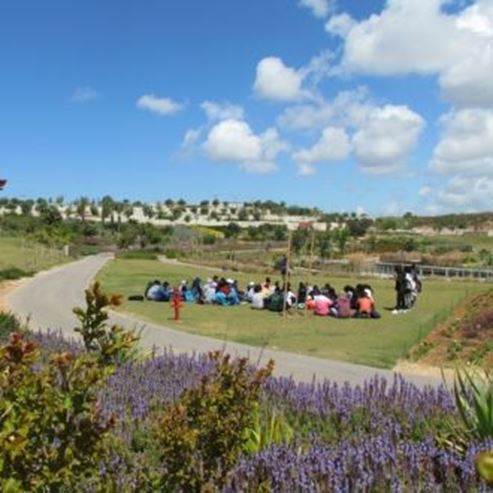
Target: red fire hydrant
column 176, row 303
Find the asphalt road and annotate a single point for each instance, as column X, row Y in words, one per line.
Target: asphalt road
column 49, row 297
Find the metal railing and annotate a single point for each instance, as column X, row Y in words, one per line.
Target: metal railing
column 439, row 271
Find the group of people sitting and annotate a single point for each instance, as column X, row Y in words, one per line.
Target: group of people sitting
column 325, row 301
column 408, row 285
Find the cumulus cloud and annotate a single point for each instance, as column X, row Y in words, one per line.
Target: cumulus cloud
column 84, row 95
column 320, row 8
column 467, row 193
column 383, row 143
column 332, row 146
column 466, row 144
column 340, row 25
column 161, row 106
column 234, row 141
column 455, row 46
column 222, row 111
column 278, row 82
column 347, row 108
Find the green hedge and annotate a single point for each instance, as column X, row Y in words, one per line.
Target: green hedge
column 13, row 273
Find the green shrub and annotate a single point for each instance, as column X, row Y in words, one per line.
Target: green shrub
column 203, row 434
column 52, row 435
column 114, row 345
column 8, row 323
column 13, row 273
column 269, row 429
column 138, row 255
column 473, row 394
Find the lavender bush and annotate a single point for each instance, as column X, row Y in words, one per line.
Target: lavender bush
column 381, row 436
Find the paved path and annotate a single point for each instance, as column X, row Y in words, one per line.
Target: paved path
column 49, row 297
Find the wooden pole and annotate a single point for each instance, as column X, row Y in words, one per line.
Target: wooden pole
column 286, row 276
column 312, row 246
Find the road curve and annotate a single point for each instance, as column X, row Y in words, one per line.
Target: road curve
column 48, row 298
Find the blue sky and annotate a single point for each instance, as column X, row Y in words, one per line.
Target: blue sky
column 376, row 106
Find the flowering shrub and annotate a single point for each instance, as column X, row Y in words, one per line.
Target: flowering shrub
column 203, row 434
column 112, row 344
column 51, row 432
column 184, row 423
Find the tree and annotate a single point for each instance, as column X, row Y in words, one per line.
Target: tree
column 81, row 208
column 342, row 237
column 94, row 210
column 232, row 230
column 298, row 240
column 148, row 211
column 107, row 207
column 324, row 244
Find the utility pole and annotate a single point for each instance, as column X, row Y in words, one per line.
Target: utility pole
column 286, row 277
column 312, row 246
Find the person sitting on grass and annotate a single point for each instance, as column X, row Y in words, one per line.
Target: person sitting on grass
column 155, row 292
column 197, row 291
column 302, row 294
column 257, row 298
column 365, row 306
column 275, row 302
column 233, row 297
column 342, row 306
column 250, row 292
column 351, row 294
column 266, row 287
column 289, row 296
column 209, row 291
column 322, row 305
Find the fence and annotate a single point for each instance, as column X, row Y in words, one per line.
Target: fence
column 438, row 271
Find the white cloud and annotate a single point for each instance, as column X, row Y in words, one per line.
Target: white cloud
column 84, row 95
column 457, row 47
column 466, row 145
column 468, row 82
column 425, row 191
column 383, row 143
column 161, row 106
column 278, row 82
column 467, row 193
column 332, row 146
column 306, row 169
column 234, row 141
column 191, row 137
column 222, row 111
column 320, row 8
column 340, row 25
column 347, row 108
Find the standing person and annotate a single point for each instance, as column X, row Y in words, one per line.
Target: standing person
column 417, row 280
column 400, row 289
column 284, row 267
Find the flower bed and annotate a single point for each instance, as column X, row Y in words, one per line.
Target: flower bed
column 381, row 436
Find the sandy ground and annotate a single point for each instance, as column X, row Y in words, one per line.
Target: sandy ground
column 6, row 288
column 409, row 368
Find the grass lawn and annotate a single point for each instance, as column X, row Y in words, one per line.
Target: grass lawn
column 14, row 252
column 377, row 343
